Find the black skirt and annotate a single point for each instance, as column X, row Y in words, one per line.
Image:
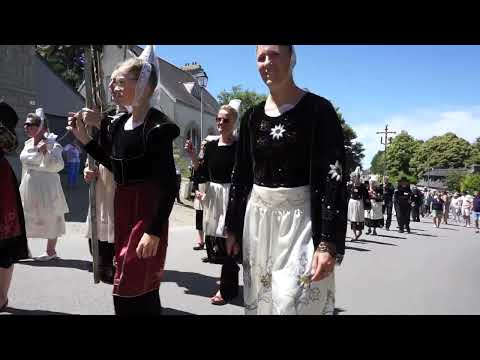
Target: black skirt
column 13, row 238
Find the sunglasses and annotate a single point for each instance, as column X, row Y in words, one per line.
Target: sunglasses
column 225, row 120
column 29, row 125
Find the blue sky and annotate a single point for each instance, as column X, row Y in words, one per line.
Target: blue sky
column 425, row 90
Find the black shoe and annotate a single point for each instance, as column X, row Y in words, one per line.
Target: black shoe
column 107, row 274
column 374, row 232
column 400, row 231
column 4, row 306
column 368, row 232
column 205, row 259
column 387, row 228
column 408, row 230
column 199, row 247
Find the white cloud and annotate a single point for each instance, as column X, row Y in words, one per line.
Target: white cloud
column 421, row 124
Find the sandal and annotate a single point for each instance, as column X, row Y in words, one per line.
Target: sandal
column 218, row 300
column 199, row 247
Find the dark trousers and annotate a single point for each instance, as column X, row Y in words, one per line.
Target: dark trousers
column 416, row 213
column 388, row 208
column 147, row 304
column 403, row 216
column 178, row 183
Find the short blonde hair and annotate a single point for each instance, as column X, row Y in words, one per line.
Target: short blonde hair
column 133, row 66
column 230, row 110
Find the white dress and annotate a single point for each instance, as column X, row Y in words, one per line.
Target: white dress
column 278, row 254
column 41, row 191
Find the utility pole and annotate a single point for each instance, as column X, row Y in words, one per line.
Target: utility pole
column 385, row 142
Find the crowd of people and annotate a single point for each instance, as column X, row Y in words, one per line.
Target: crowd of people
column 370, row 203
column 272, row 197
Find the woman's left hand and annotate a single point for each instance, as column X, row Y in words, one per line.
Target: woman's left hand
column 322, row 265
column 42, row 147
column 147, row 247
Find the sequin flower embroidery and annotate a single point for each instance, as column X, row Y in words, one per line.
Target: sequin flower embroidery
column 336, row 171
column 277, row 132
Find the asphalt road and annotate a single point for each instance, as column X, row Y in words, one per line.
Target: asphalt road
column 431, row 271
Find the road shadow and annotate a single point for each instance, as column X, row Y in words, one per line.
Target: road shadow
column 199, row 284
column 376, row 242
column 392, row 237
column 427, row 235
column 170, row 311
column 63, row 263
column 356, row 248
column 417, row 229
column 15, row 311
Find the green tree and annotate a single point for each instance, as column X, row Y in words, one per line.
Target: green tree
column 446, row 151
column 376, row 166
column 68, row 61
column 475, row 154
column 354, row 150
column 471, row 183
column 454, row 181
column 249, row 98
column 400, row 152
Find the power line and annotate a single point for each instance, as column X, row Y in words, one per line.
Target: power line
column 386, row 143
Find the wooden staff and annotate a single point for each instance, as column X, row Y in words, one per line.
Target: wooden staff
column 95, row 100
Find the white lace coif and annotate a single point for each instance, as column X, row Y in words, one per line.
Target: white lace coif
column 151, row 64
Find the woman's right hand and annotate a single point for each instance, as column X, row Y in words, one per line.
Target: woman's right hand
column 91, row 118
column 89, row 175
column 77, row 127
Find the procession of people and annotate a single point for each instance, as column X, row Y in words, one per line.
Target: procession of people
column 274, row 197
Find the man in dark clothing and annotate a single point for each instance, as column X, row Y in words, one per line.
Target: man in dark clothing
column 417, row 198
column 388, row 191
column 402, row 199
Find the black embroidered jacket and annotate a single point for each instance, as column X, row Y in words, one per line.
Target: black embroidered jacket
column 302, row 147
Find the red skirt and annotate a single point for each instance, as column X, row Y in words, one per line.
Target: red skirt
column 13, row 239
column 134, row 208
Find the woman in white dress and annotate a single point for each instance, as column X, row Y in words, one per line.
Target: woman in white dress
column 356, row 204
column 41, row 191
column 374, row 216
column 288, row 195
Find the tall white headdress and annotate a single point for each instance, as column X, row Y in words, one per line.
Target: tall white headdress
column 151, row 64
column 41, row 114
column 235, row 104
column 50, row 137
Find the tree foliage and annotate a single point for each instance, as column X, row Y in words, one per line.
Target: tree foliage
column 399, row 155
column 454, row 181
column 377, row 163
column 446, row 151
column 68, row 61
column 475, row 154
column 354, row 150
column 249, row 98
column 471, row 183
